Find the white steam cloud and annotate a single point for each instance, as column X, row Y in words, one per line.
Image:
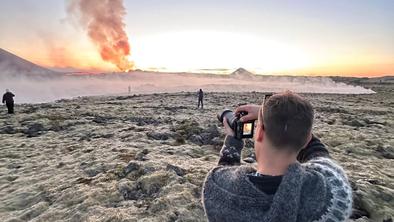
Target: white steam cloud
column 36, row 91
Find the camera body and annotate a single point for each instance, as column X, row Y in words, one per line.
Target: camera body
column 241, row 129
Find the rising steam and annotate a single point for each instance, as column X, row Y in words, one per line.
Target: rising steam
column 103, row 21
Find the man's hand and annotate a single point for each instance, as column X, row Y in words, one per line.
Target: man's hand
column 252, row 110
column 227, row 128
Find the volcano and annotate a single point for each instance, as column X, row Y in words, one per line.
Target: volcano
column 242, row 73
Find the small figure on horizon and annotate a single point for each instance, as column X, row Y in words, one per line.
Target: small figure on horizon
column 129, row 89
column 8, row 99
column 200, row 98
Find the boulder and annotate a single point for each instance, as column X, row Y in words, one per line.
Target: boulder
column 178, row 170
column 8, row 130
column 34, row 130
column 157, row 136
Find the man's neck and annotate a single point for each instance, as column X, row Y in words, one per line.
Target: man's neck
column 274, row 163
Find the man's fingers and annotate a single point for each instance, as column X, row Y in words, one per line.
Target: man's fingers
column 227, row 127
column 225, row 124
column 241, row 108
column 246, row 118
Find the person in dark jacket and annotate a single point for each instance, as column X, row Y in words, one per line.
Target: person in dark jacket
column 200, row 99
column 295, row 179
column 8, row 99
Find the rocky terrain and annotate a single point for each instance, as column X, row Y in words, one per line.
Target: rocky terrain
column 144, row 157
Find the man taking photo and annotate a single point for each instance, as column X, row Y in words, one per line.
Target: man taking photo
column 295, row 179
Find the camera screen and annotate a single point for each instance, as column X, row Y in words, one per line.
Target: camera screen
column 247, row 129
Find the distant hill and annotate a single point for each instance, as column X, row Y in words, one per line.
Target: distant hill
column 365, row 80
column 12, row 66
column 242, row 73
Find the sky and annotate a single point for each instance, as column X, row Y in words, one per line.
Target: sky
column 303, row 37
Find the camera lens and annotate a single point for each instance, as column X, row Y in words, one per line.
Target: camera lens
column 229, row 116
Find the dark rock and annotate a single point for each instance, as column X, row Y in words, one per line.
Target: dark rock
column 8, row 130
column 91, row 172
column 125, row 97
column 57, row 127
column 131, row 166
column 330, row 121
column 87, row 150
column 249, row 143
column 196, row 139
column 374, row 182
column 187, row 128
column 174, row 109
column 30, row 109
column 107, row 136
column 142, row 155
column 353, row 185
column 368, row 121
column 330, row 109
column 217, row 141
column 91, row 169
column 101, row 119
column 84, row 180
column 358, row 206
column 179, row 140
column 357, row 213
column 13, row 166
column 132, row 171
column 157, row 136
column 86, row 137
column 208, row 134
column 385, row 152
column 178, row 170
column 11, row 178
column 142, row 121
column 355, row 123
column 200, row 136
column 34, row 129
column 129, row 190
column 48, row 106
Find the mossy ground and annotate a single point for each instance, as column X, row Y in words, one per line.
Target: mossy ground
column 145, row 157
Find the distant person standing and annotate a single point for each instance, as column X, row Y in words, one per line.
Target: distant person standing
column 200, row 98
column 129, row 89
column 8, row 99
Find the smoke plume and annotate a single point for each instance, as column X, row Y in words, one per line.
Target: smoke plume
column 103, row 21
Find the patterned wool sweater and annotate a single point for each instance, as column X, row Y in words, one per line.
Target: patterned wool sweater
column 313, row 189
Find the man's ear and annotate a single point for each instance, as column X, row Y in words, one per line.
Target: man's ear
column 260, row 133
column 308, row 140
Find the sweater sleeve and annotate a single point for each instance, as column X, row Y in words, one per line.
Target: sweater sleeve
column 315, row 158
column 338, row 189
column 230, row 154
column 315, row 148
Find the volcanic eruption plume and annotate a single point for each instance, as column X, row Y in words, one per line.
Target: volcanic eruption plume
column 103, row 21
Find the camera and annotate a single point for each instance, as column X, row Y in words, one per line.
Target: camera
column 241, row 129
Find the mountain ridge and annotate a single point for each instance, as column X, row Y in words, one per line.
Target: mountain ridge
column 14, row 66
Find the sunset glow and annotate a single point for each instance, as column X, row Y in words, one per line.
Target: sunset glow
column 266, row 37
column 192, row 50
